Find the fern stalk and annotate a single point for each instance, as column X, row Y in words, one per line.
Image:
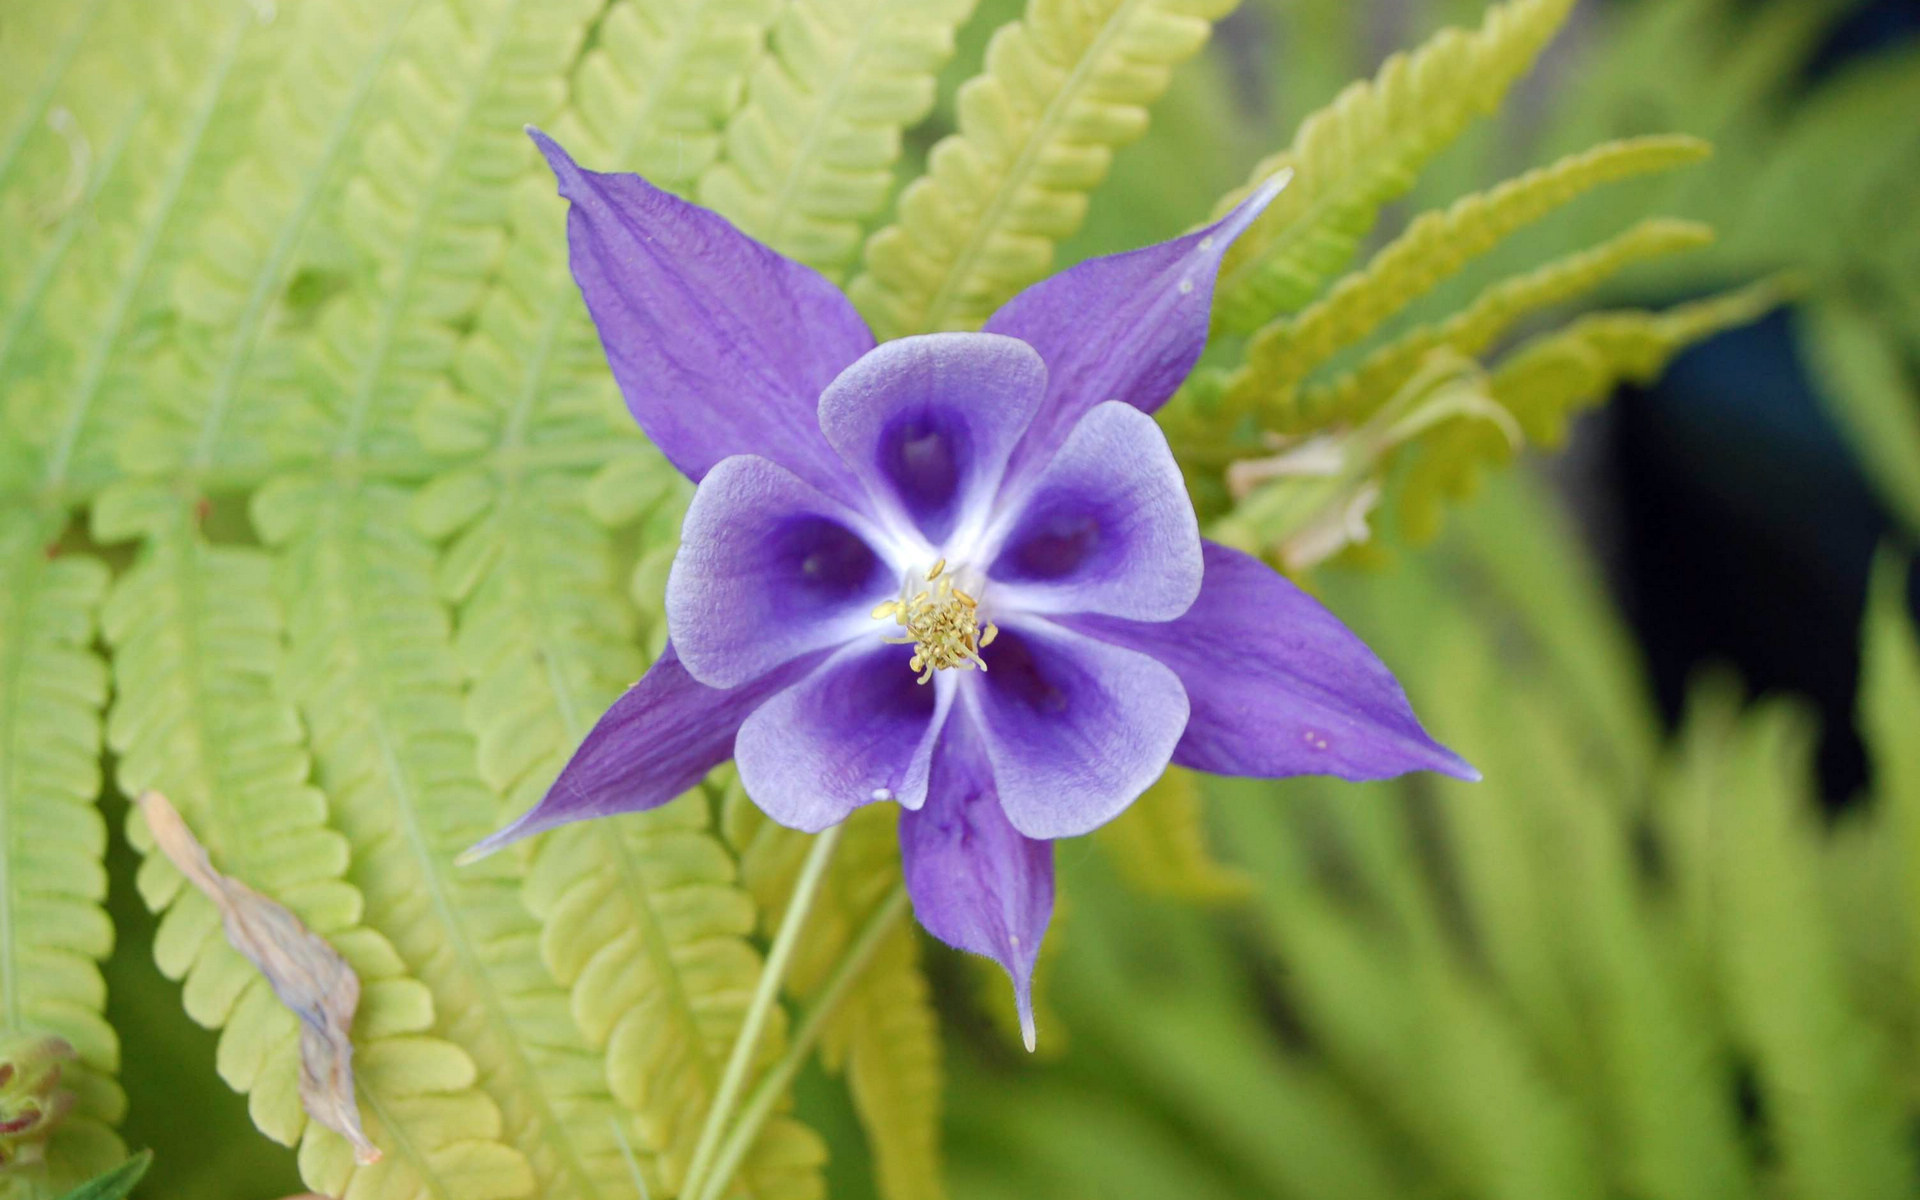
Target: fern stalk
column 766, row 1094
column 765, row 995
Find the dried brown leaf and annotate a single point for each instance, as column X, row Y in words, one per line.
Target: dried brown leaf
column 307, row 974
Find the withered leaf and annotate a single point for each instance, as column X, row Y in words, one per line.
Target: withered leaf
column 307, row 974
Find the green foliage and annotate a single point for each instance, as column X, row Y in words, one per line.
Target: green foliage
column 1569, row 979
column 1434, row 247
column 1160, row 844
column 1365, row 150
column 809, row 155
column 52, row 928
column 115, row 1184
column 884, row 1036
column 1061, row 89
column 302, row 416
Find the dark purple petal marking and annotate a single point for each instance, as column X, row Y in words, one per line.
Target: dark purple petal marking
column 768, row 569
column 1075, row 728
column 858, row 730
column 720, row 345
column 927, row 422
column 1126, row 327
column 977, row 884
column 1107, row 528
column 1278, row 685
column 660, row 738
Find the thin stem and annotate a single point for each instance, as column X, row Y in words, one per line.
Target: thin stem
column 764, row 997
column 767, row 1093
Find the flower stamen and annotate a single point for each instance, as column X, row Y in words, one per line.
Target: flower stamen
column 942, row 624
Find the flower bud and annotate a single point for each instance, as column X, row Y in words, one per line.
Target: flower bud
column 31, row 1100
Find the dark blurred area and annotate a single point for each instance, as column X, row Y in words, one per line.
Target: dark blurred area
column 1735, row 520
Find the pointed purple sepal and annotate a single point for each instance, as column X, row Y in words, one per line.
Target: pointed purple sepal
column 1278, row 685
column 976, row 883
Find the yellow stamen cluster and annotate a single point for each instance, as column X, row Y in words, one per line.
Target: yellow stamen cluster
column 942, row 624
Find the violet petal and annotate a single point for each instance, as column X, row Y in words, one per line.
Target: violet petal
column 927, row 422
column 720, row 345
column 1075, row 728
column 1278, row 685
column 858, row 730
column 768, row 569
column 658, row 739
column 977, row 884
column 1125, row 327
column 1106, row 528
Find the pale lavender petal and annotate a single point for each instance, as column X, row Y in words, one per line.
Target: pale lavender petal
column 1106, row 528
column 977, row 884
column 927, row 422
column 859, row 730
column 657, row 740
column 720, row 345
column 768, row 569
column 1278, row 685
column 1126, row 327
column 1075, row 728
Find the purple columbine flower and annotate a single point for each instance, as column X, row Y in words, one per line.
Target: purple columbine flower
column 958, row 572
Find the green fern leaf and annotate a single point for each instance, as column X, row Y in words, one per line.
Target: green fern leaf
column 1366, row 149
column 196, row 631
column 809, row 157
column 644, row 921
column 1869, row 391
column 1434, row 247
column 229, row 293
column 1160, row 844
column 52, row 882
column 1822, row 1070
column 1550, row 878
column 1545, row 382
column 1889, row 696
column 885, row 1035
column 427, row 212
column 112, row 292
column 1062, row 88
column 373, row 666
column 1475, row 329
column 530, row 382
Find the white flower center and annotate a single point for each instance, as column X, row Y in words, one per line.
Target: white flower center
column 942, row 623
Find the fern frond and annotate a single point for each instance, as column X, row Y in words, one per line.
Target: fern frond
column 37, row 49
column 809, row 157
column 1062, row 88
column 1550, row 876
column 1434, row 247
column 1889, row 696
column 1160, row 844
column 1548, row 380
column 230, row 291
column 885, row 1035
column 427, row 211
column 1366, row 149
column 1543, row 381
column 1747, row 828
column 530, row 381
column 115, row 289
column 1872, row 396
column 371, row 662
column 1474, row 330
column 53, row 929
column 644, row 922
column 196, row 631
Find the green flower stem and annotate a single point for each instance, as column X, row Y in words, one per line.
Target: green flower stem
column 765, row 995
column 767, row 1092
